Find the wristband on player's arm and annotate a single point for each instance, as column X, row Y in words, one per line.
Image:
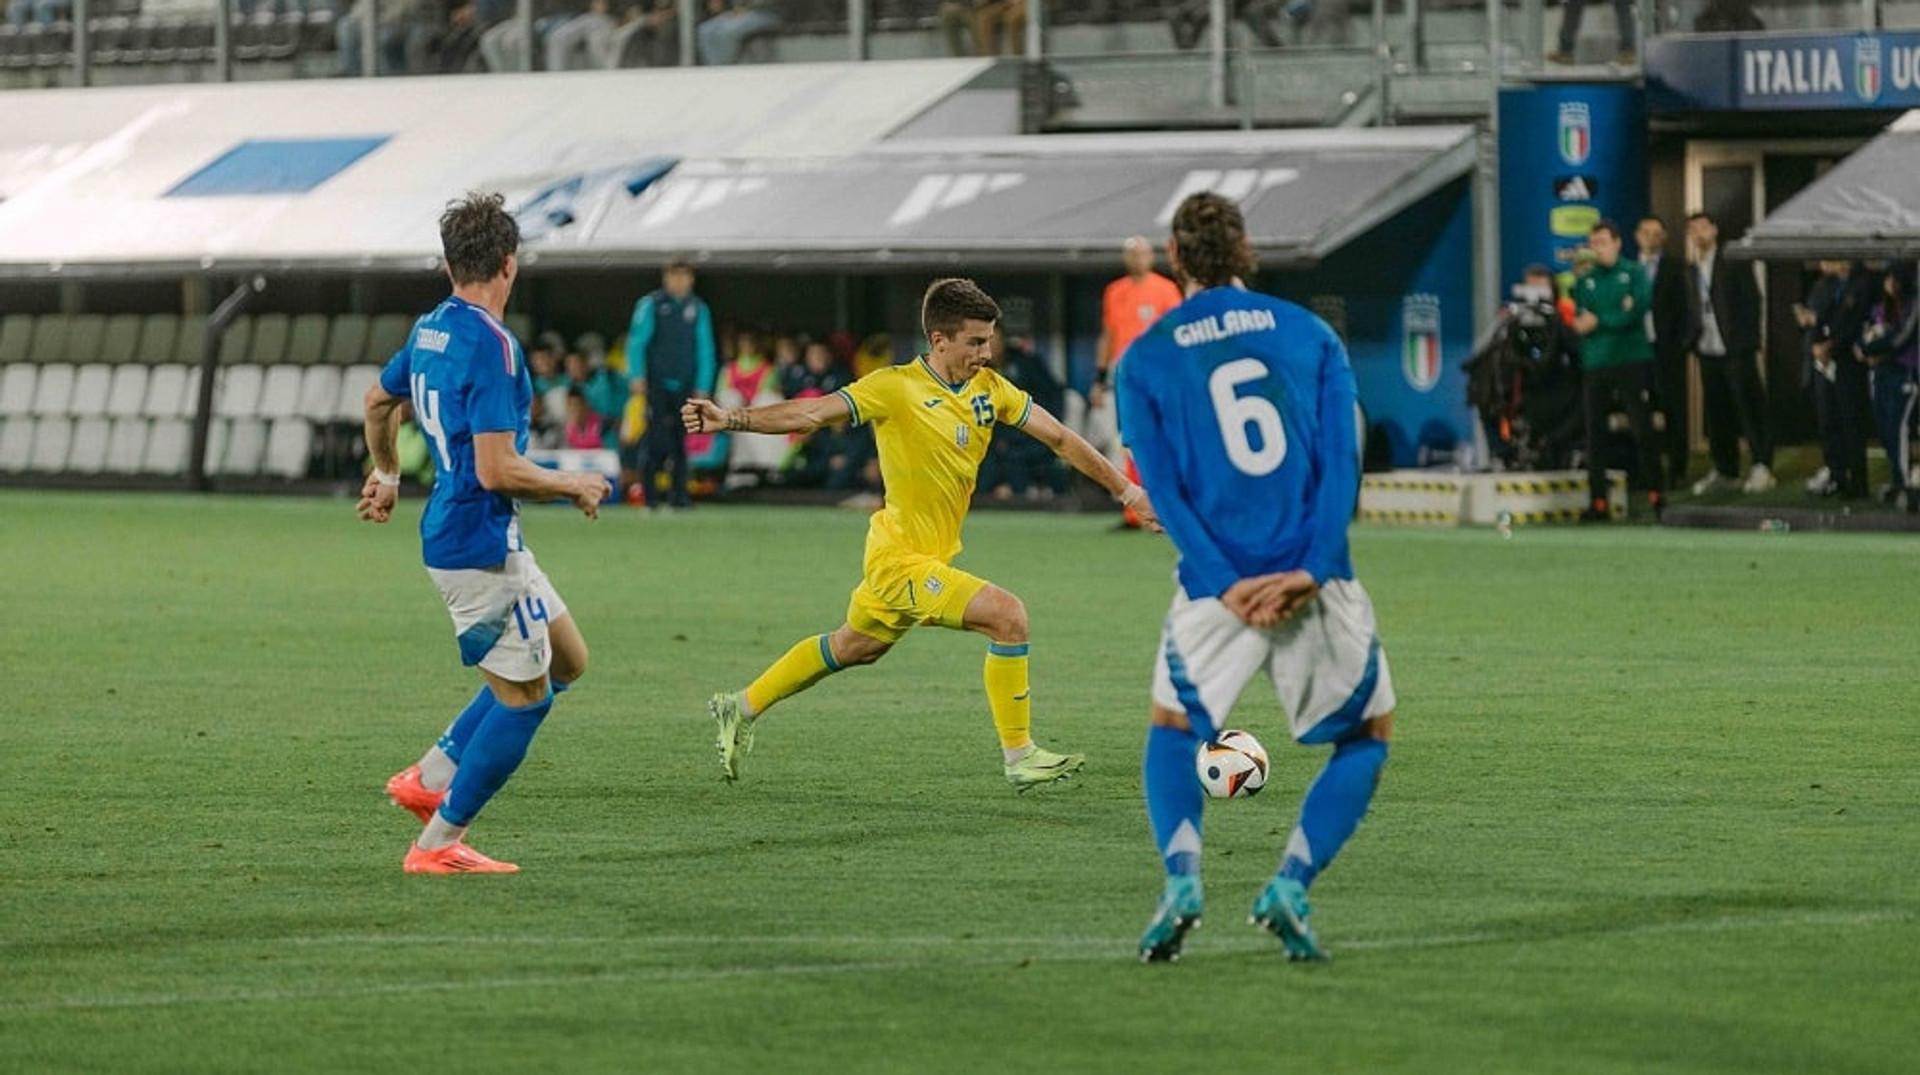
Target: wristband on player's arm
column 385, row 478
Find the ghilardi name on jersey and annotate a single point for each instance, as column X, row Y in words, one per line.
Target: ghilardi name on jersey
column 1220, row 326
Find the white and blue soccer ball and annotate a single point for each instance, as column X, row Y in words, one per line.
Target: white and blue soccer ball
column 1233, row 766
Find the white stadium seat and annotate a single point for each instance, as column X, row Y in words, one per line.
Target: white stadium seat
column 217, row 434
column 239, row 394
column 127, row 446
column 164, row 390
column 354, row 383
column 319, row 393
column 89, row 452
column 246, row 449
column 280, row 392
column 128, row 394
column 16, row 389
column 289, row 446
column 90, row 387
column 52, row 437
column 167, row 446
column 16, row 444
column 54, row 391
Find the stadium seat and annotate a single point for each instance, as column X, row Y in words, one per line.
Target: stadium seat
column 289, row 448
column 159, row 339
column 189, row 341
column 84, row 334
column 167, row 445
column 386, row 334
column 128, row 391
column 89, row 452
column 239, row 392
column 16, row 443
column 347, row 340
column 235, row 341
column 90, row 386
column 173, row 392
column 319, row 393
column 52, row 437
column 354, row 382
column 280, row 392
column 16, row 388
column 269, row 347
column 121, row 343
column 127, row 445
column 54, row 390
column 246, row 449
column 307, row 340
column 16, row 338
column 218, row 432
column 49, row 338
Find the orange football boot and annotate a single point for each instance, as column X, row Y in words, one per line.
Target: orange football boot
column 454, row 858
column 409, row 794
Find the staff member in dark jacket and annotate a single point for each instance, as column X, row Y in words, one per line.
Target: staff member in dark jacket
column 1667, row 327
column 1617, row 359
column 1835, row 314
column 1724, row 311
column 670, row 359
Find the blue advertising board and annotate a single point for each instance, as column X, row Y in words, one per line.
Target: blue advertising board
column 1784, row 72
column 1571, row 154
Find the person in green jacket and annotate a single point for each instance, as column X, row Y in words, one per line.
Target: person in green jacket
column 1616, row 359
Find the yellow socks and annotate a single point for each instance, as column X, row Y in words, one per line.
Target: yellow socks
column 808, row 662
column 1008, row 694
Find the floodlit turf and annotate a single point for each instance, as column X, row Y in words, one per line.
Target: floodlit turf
column 1654, row 806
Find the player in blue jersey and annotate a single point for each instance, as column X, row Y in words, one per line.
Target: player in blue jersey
column 1241, row 413
column 467, row 381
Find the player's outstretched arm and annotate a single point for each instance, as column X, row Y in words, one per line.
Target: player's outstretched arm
column 793, row 416
column 382, row 429
column 502, row 469
column 1086, row 459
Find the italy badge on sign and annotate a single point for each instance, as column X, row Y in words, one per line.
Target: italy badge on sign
column 1576, row 132
column 1420, row 325
column 1866, row 68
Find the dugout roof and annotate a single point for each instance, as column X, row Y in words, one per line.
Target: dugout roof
column 1866, row 207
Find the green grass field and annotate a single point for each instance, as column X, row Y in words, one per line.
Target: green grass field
column 1654, row 806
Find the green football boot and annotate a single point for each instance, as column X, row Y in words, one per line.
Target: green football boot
column 734, row 734
column 1042, row 767
column 1282, row 911
column 1179, row 911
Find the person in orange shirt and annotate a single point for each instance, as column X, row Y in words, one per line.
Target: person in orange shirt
column 1129, row 308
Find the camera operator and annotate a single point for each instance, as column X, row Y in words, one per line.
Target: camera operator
column 1616, row 362
column 1524, row 378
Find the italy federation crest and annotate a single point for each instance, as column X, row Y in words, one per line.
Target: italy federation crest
column 1866, row 69
column 1420, row 349
column 1576, row 132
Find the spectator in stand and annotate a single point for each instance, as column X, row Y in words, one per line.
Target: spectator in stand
column 583, row 41
column 44, row 12
column 502, row 45
column 1668, row 327
column 874, row 353
column 670, row 359
column 598, row 385
column 649, row 35
column 1724, row 314
column 729, row 26
column 550, row 388
column 1890, row 346
column 1129, row 306
column 1617, row 362
column 1835, row 313
column 1570, row 18
column 788, row 369
column 1727, row 17
column 820, row 374
column 1019, row 465
column 1190, row 19
column 749, row 380
column 586, row 431
column 397, row 18
column 999, row 27
column 455, row 48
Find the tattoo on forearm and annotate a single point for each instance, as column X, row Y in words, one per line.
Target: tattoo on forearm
column 737, row 420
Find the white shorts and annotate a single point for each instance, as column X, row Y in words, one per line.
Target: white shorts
column 1325, row 664
column 500, row 615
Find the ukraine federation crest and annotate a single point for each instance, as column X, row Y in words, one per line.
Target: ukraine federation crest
column 1420, row 351
column 1576, row 132
column 1866, row 68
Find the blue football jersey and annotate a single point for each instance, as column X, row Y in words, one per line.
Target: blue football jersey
column 1240, row 410
column 464, row 373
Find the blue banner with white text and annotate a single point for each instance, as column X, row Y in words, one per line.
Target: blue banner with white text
column 1784, row 72
column 1571, row 154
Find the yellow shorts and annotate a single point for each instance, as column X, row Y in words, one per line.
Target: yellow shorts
column 904, row 590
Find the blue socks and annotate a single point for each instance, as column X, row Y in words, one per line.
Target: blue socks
column 495, row 749
column 460, row 732
column 1174, row 797
column 1333, row 807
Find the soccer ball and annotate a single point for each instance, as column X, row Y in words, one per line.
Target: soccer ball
column 1233, row 766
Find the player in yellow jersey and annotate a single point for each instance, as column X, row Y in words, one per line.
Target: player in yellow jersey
column 932, row 419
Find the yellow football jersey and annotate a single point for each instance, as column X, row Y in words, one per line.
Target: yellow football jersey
column 932, row 436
